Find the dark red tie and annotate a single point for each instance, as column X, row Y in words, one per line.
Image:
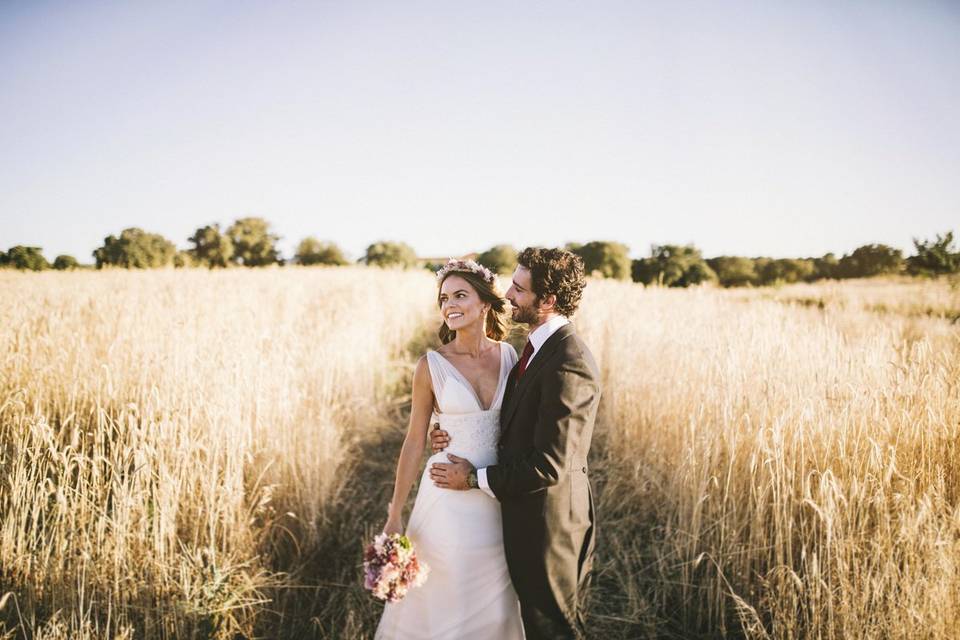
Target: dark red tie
column 524, row 359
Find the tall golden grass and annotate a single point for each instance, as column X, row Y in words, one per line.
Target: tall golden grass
column 199, row 454
column 890, row 294
column 775, row 470
column 166, row 435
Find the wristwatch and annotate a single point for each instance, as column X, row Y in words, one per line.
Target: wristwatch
column 472, row 479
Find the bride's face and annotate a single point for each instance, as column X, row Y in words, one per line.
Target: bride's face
column 460, row 304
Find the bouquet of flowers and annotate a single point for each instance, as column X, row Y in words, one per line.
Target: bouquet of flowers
column 391, row 568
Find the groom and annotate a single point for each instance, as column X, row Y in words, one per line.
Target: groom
column 546, row 422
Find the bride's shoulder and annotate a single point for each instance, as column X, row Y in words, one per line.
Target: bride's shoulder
column 427, row 357
column 431, row 359
column 506, row 346
column 430, row 367
column 423, row 365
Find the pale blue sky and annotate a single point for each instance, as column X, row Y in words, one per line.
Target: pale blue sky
column 784, row 129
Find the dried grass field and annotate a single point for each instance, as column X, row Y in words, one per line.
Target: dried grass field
column 193, row 454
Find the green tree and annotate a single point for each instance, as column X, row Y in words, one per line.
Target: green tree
column 786, row 270
column 870, row 260
column 253, row 244
column 27, row 258
column 673, row 266
column 826, row 266
column 311, row 251
column 135, row 248
column 390, row 254
column 184, row 259
column 64, row 262
column 609, row 259
column 760, row 266
column 734, row 271
column 645, row 271
column 934, row 257
column 501, row 258
column 211, row 248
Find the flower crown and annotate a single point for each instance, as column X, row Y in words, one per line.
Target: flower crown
column 466, row 265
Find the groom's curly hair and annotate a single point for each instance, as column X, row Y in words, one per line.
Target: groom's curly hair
column 557, row 272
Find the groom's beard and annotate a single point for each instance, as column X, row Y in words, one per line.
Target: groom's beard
column 524, row 315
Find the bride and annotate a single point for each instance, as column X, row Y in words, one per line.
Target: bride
column 468, row 593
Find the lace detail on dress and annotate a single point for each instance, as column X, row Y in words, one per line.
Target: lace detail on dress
column 473, row 436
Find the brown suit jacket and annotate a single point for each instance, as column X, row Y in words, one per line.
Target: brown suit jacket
column 541, row 480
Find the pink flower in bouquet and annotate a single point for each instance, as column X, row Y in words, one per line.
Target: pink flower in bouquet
column 391, row 567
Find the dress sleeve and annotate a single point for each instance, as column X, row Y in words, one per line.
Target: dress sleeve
column 438, row 375
column 512, row 356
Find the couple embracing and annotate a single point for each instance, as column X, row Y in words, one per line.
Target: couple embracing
column 504, row 514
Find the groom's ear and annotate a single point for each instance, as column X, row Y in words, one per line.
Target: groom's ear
column 548, row 302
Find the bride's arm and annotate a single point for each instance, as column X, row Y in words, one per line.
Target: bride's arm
column 412, row 451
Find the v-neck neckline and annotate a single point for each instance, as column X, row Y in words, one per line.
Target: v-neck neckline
column 476, row 396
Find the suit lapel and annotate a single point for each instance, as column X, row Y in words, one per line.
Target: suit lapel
column 508, row 392
column 513, row 401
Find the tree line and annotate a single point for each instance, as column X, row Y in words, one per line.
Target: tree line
column 250, row 242
column 684, row 265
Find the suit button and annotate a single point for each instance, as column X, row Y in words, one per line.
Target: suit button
column 584, row 469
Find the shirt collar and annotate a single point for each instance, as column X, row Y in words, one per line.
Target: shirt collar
column 539, row 335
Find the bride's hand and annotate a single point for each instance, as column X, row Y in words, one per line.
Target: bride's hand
column 393, row 525
column 439, row 439
column 394, row 522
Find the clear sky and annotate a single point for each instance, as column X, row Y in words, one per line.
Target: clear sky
column 750, row 128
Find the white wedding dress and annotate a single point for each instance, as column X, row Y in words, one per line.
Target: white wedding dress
column 468, row 594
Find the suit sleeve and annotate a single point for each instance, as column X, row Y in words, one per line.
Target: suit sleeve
column 568, row 401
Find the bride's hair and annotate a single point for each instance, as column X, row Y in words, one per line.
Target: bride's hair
column 495, row 324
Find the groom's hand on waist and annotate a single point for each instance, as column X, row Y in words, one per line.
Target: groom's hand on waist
column 458, row 474
column 439, row 439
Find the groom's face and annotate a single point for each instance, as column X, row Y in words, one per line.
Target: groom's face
column 525, row 306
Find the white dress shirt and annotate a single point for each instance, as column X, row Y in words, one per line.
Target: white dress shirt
column 537, row 337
